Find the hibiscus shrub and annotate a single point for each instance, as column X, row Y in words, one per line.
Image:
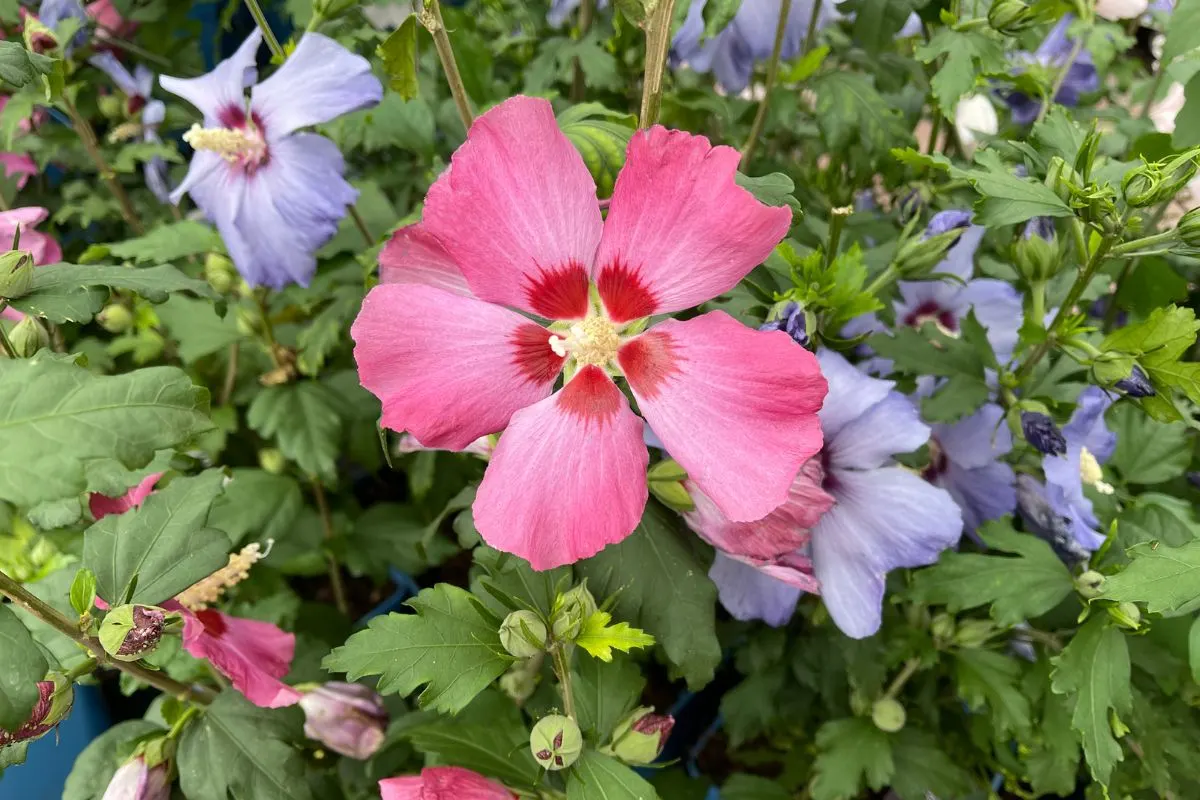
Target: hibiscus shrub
column 648, row 399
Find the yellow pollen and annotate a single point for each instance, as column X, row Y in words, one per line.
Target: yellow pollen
column 124, row 132
column 593, row 341
column 198, row 596
column 1090, row 472
column 937, row 323
column 232, row 144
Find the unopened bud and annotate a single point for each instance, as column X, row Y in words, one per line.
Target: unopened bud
column 523, row 634
column 1010, row 16
column 792, row 320
column 918, row 256
column 220, row 273
column 16, row 274
column 1127, row 615
column 1041, row 432
column 115, row 318
column 1188, row 228
column 973, row 632
column 38, row 37
column 28, row 336
column 1151, row 184
column 1137, row 384
column 129, row 633
column 640, row 737
column 56, row 694
column 556, row 742
column 272, row 460
column 111, row 106
column 1036, row 252
column 1089, row 584
column 888, row 715
column 942, row 627
column 1062, row 179
column 348, row 718
column 572, row 610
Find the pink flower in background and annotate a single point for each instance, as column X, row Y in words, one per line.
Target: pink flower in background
column 443, row 783
column 41, row 246
column 102, row 505
column 109, row 21
column 136, row 781
column 253, row 655
column 348, row 718
column 516, row 217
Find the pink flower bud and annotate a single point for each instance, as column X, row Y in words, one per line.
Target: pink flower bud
column 136, row 781
column 348, row 718
column 55, row 697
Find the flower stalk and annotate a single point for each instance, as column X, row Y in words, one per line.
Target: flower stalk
column 335, row 572
column 87, row 135
column 658, row 41
column 562, row 670
column 578, row 86
column 260, row 19
column 760, row 117
column 432, row 19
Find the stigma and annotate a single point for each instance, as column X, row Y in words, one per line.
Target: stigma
column 593, row 341
column 236, row 145
column 1090, row 472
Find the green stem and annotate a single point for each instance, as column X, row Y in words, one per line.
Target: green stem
column 883, row 280
column 1110, row 313
column 432, row 19
column 335, row 571
column 231, row 372
column 187, row 714
column 361, row 224
column 1158, row 81
column 260, row 19
column 85, row 667
column 268, row 331
column 315, row 21
column 1037, row 299
column 1061, row 78
column 760, row 117
column 810, row 36
column 562, row 671
column 910, row 668
column 658, row 41
column 837, row 221
column 91, row 144
column 1144, row 242
column 5, row 343
column 18, row 594
column 578, row 84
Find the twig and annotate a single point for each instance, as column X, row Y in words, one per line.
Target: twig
column 760, row 117
column 658, row 40
column 92, row 145
column 578, row 86
column 260, row 19
column 361, row 224
column 231, row 372
column 431, row 18
column 18, row 594
column 335, row 572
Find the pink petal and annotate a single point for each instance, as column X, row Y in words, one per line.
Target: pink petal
column 568, row 476
column 253, row 655
column 449, row 368
column 443, row 783
column 413, row 255
column 737, row 408
column 517, row 211
column 782, row 531
column 20, row 164
column 679, row 230
column 102, row 505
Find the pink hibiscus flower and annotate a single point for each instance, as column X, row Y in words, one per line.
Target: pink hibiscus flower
column 253, row 655
column 514, row 224
column 20, row 164
column 443, row 783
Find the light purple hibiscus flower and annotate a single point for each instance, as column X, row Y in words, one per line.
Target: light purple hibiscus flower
column 883, row 516
column 561, row 9
column 137, row 88
column 275, row 195
column 1054, row 51
column 1089, row 444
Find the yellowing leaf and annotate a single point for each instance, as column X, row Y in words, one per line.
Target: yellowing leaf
column 599, row 638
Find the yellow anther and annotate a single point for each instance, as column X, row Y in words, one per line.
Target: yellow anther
column 593, row 341
column 124, row 132
column 232, row 144
column 937, row 323
column 198, row 596
column 1090, row 472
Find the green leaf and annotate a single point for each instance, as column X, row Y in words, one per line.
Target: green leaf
column 605, row 693
column 237, row 748
column 1158, row 517
column 851, row 111
column 152, row 553
column 1017, row 589
column 303, row 420
column 197, row 327
column 775, row 189
column 1194, row 649
column 19, row 67
column 742, row 786
column 256, row 503
column 1007, row 199
column 1164, row 578
column 851, row 754
column 601, row 136
column 596, row 775
column 990, row 678
column 21, row 667
column 1054, row 762
column 717, row 14
column 55, row 417
column 876, row 22
column 449, row 646
column 67, row 293
column 600, row 638
column 399, row 55
column 489, row 736
column 1161, row 338
column 967, row 54
column 324, row 332
column 1148, row 451
column 1187, row 120
column 928, row 351
column 83, row 591
column 511, row 577
column 662, row 587
column 923, row 768
column 169, row 242
column 1183, row 34
column 1093, row 671
column 96, row 765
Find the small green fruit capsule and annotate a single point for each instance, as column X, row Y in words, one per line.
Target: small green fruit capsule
column 888, row 715
column 1090, row 584
column 1127, row 615
column 115, row 318
column 556, row 742
column 272, row 461
column 523, row 634
column 573, row 609
column 220, row 273
column 1010, row 16
column 28, row 336
column 16, row 274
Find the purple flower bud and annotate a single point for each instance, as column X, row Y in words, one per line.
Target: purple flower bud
column 792, row 322
column 1137, row 384
column 1042, row 227
column 945, row 221
column 55, row 697
column 136, row 781
column 1041, row 432
column 348, row 718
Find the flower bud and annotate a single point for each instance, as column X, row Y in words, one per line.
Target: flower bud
column 556, row 742
column 111, row 106
column 888, row 715
column 272, row 460
column 1137, row 384
column 1127, row 615
column 115, row 318
column 523, row 634
column 1062, row 178
column 136, row 780
column 16, row 274
column 911, row 205
column 28, row 336
column 1090, row 584
column 1188, row 229
column 132, row 632
column 1036, row 252
column 1139, row 187
column 348, row 718
column 38, row 37
column 973, row 632
column 1010, row 16
column 918, row 256
column 1041, row 432
column 1151, row 184
column 792, row 320
column 572, row 610
column 942, row 627
column 56, row 694
column 640, row 737
column 220, row 273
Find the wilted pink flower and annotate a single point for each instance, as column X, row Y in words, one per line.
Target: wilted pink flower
column 348, row 718
column 102, row 505
column 443, row 783
column 516, row 217
column 46, row 713
column 135, row 781
column 109, row 21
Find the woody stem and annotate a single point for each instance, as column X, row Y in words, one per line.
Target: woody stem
column 658, row 40
column 87, row 135
column 431, row 18
column 19, row 596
